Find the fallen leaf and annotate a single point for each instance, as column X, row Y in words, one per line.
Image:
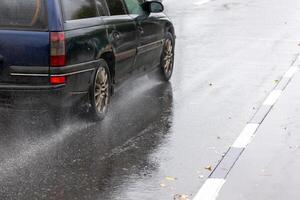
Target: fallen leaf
column 169, row 178
column 162, row 185
column 209, row 168
column 181, row 197
column 210, row 84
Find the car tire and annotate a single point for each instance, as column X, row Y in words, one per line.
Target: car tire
column 100, row 92
column 167, row 57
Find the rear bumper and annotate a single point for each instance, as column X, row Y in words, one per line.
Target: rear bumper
column 37, row 97
column 79, row 79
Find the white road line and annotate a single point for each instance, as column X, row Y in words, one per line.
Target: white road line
column 210, row 189
column 212, row 186
column 246, row 136
column 199, row 3
column 272, row 98
column 290, row 73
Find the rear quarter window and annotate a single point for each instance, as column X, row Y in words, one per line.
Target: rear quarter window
column 26, row 14
column 79, row 9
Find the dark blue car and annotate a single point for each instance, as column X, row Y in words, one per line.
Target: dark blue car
column 62, row 53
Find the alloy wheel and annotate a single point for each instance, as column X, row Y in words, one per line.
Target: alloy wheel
column 168, row 57
column 101, row 90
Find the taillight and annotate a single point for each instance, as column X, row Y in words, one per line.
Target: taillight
column 58, row 49
column 57, row 55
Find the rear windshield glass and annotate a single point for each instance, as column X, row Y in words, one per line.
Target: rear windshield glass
column 28, row 14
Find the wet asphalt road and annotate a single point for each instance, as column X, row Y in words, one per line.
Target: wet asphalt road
column 158, row 138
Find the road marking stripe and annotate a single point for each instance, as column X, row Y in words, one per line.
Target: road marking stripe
column 246, row 136
column 290, row 73
column 212, row 186
column 210, row 189
column 225, row 165
column 260, row 115
column 283, row 83
column 272, row 98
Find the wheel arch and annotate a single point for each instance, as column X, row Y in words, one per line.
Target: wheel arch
column 170, row 28
column 109, row 57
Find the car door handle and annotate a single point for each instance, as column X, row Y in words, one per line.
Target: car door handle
column 141, row 30
column 115, row 35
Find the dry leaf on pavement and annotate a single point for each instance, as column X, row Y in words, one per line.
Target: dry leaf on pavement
column 169, row 178
column 209, row 168
column 181, row 197
column 163, row 185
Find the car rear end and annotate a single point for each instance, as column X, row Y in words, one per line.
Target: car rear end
column 31, row 43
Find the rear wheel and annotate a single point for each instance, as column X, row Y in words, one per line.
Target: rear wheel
column 167, row 58
column 100, row 92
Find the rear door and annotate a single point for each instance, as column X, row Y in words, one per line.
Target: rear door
column 150, row 34
column 24, row 40
column 123, row 36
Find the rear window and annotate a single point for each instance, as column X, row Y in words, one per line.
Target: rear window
column 28, row 14
column 79, row 9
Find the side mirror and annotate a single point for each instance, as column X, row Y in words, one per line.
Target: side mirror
column 153, row 7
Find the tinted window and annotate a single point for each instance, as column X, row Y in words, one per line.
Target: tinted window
column 79, row 9
column 102, row 8
column 116, row 7
column 134, row 7
column 29, row 14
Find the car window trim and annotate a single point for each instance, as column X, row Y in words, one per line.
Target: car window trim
column 125, row 6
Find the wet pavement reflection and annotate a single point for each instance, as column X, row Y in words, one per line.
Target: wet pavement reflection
column 78, row 161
